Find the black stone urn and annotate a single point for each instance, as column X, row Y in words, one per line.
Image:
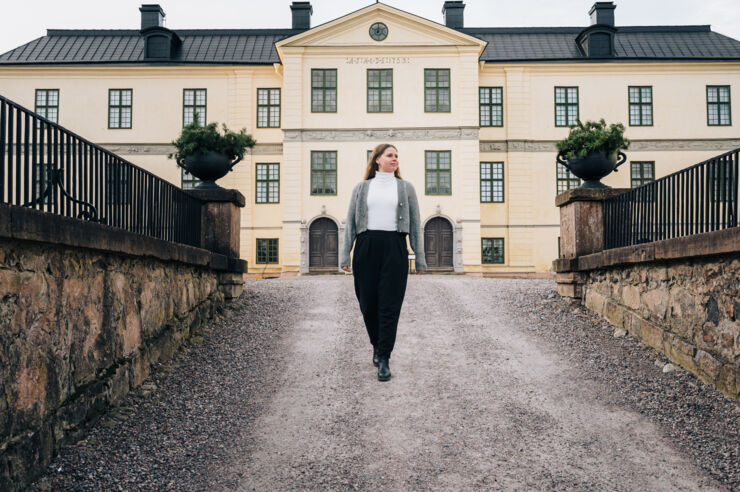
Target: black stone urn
column 208, row 168
column 593, row 167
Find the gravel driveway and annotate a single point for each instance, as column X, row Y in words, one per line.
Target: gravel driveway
column 497, row 384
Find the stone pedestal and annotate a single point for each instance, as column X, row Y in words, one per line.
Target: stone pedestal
column 581, row 233
column 220, row 233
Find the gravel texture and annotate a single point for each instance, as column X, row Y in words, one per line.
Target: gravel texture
column 497, row 384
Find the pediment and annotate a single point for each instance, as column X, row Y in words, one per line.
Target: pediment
column 404, row 29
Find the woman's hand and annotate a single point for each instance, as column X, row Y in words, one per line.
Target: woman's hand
column 347, row 269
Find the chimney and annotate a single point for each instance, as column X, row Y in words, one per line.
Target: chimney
column 301, row 15
column 453, row 14
column 602, row 13
column 152, row 15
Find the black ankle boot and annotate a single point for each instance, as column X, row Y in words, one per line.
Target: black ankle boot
column 384, row 371
column 375, row 357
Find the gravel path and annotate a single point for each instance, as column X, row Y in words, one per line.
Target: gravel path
column 497, row 384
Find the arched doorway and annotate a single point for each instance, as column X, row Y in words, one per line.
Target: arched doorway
column 323, row 241
column 438, row 244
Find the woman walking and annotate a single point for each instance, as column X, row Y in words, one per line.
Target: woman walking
column 383, row 210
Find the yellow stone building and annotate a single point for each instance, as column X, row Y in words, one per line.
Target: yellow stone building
column 474, row 113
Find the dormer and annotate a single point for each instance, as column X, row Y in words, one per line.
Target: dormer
column 160, row 44
column 597, row 40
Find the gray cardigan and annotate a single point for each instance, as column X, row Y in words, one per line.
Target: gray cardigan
column 408, row 220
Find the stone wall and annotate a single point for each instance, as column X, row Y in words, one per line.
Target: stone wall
column 78, row 330
column 680, row 296
column 86, row 310
column 687, row 309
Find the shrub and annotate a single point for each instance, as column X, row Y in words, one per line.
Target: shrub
column 591, row 136
column 195, row 140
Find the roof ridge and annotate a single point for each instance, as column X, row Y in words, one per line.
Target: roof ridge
column 136, row 32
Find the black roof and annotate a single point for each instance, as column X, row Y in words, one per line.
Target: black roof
column 199, row 46
column 631, row 43
column 257, row 46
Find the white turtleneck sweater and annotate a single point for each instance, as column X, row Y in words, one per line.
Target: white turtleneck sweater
column 382, row 202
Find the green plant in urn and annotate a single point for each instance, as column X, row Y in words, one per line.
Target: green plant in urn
column 208, row 154
column 592, row 150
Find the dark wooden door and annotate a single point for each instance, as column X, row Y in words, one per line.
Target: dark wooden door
column 438, row 244
column 323, row 245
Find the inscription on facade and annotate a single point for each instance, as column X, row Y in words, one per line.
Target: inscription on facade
column 377, row 60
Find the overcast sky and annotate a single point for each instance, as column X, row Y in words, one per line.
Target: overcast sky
column 23, row 21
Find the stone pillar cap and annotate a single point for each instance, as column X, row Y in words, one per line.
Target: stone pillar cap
column 587, row 195
column 222, row 195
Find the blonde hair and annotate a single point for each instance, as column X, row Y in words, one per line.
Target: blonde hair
column 372, row 166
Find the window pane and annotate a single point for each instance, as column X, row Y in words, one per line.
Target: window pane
column 275, row 96
column 126, row 117
column 114, row 98
column 261, row 96
column 724, row 94
column 646, row 94
column 200, row 98
column 559, row 95
column 634, row 94
column 189, row 98
column 572, row 95
column 317, row 78
column 485, row 95
column 647, row 117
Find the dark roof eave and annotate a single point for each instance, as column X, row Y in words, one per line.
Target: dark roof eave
column 137, row 64
column 611, row 59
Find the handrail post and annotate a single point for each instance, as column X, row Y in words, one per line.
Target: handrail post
column 581, row 233
column 220, row 233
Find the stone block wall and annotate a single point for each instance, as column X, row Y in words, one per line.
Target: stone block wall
column 688, row 309
column 78, row 329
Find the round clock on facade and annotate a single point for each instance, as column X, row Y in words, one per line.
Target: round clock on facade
column 378, row 31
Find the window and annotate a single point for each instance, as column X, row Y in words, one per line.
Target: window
column 490, row 102
column 193, row 101
column 324, row 90
column 324, row 172
column 438, row 179
column 437, row 90
column 267, row 251
column 718, row 105
column 268, row 108
column 117, row 181
column 719, row 173
column 566, row 180
column 492, row 249
column 566, row 106
column 47, row 104
column 119, row 108
column 268, row 183
column 641, row 106
column 491, row 182
column 379, row 90
column 188, row 180
column 641, row 173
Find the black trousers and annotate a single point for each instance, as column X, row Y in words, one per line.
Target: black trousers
column 380, row 266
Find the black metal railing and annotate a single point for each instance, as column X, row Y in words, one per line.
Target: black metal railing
column 49, row 168
column 700, row 198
